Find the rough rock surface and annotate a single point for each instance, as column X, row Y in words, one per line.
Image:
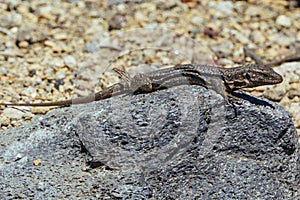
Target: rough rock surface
column 180, row 143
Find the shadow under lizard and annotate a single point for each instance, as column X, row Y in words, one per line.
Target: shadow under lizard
column 223, row 80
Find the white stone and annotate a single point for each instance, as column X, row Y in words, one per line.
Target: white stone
column 70, row 61
column 225, row 7
column 283, row 20
column 13, row 113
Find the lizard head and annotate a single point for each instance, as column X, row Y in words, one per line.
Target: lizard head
column 251, row 75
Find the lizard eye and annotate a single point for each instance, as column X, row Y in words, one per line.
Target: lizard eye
column 247, row 76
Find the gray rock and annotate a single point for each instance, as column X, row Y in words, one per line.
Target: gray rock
column 180, row 143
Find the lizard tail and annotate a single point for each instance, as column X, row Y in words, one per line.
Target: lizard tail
column 58, row 103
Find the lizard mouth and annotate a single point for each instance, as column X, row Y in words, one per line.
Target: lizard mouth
column 278, row 78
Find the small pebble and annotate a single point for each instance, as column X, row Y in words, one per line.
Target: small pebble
column 9, row 44
column 258, row 37
column 23, row 44
column 40, row 110
column 60, row 36
column 13, row 113
column 37, row 162
column 32, row 72
column 58, row 82
column 283, row 20
column 225, row 6
column 197, row 20
column 57, row 62
column 91, row 47
column 41, row 186
column 4, row 120
column 70, row 61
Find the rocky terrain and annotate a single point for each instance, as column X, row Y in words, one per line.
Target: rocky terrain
column 192, row 144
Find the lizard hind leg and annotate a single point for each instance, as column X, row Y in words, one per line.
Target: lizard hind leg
column 139, row 83
column 123, row 75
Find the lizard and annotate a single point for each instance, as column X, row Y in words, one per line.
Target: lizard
column 223, row 80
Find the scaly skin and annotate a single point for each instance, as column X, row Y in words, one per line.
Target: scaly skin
column 222, row 80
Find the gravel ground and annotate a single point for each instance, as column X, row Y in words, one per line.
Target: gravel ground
column 54, row 50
